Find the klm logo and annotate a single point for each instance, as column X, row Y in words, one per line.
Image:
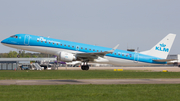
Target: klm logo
column 162, row 48
column 41, row 39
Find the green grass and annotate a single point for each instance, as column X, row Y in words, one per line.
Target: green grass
column 78, row 74
column 167, row 92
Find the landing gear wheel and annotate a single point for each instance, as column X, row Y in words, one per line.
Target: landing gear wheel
column 85, row 67
column 82, row 67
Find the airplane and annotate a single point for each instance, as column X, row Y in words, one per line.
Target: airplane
column 68, row 51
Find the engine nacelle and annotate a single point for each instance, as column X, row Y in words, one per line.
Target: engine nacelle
column 66, row 57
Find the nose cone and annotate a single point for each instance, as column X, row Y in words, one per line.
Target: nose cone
column 4, row 41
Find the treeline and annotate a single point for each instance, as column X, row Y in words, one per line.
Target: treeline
column 14, row 54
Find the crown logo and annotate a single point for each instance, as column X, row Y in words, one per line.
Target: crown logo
column 41, row 39
column 162, row 45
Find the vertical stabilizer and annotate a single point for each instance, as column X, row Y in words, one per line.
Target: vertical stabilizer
column 163, row 48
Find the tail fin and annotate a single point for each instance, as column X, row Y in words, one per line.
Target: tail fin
column 163, row 48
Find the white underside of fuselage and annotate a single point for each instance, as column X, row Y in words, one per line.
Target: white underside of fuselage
column 56, row 51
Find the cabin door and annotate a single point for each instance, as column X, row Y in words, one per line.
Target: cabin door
column 136, row 57
column 26, row 39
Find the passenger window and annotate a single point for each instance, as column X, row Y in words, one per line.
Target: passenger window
column 49, row 42
column 97, row 50
column 115, row 53
column 72, row 46
column 53, row 43
column 57, row 43
column 126, row 55
column 37, row 40
column 81, row 48
column 61, row 44
column 118, row 54
column 93, row 50
column 122, row 54
column 85, row 48
column 41, row 41
column 45, row 42
column 64, row 45
column 68, row 45
column 89, row 49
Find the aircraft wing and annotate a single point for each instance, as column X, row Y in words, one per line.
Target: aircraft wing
column 164, row 60
column 91, row 56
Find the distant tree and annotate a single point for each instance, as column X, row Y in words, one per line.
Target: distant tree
column 23, row 54
column 34, row 56
column 5, row 55
column 12, row 54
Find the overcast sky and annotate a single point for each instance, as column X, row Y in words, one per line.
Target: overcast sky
column 136, row 23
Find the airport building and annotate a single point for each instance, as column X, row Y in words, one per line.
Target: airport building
column 24, row 63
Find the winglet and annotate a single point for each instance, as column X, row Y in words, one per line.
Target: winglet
column 111, row 51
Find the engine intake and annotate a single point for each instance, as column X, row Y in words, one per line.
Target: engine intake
column 66, row 57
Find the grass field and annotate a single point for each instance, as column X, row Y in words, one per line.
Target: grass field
column 78, row 74
column 91, row 93
column 127, row 92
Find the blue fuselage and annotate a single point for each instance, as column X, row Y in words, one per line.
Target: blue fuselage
column 38, row 41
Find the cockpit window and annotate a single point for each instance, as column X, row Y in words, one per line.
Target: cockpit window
column 14, row 36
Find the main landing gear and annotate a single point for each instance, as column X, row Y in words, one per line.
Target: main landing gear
column 85, row 66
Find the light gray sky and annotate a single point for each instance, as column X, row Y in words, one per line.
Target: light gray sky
column 138, row 23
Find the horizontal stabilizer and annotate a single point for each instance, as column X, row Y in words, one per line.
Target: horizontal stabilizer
column 164, row 60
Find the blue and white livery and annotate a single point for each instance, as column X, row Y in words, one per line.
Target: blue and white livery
column 68, row 51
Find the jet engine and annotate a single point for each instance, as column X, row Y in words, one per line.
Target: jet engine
column 66, row 57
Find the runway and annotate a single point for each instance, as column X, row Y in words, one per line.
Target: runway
column 154, row 69
column 90, row 81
